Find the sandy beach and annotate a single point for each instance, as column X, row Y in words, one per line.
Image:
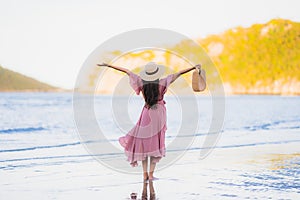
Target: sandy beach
column 259, row 171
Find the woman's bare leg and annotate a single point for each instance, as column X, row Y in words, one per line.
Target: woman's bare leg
column 145, row 168
column 152, row 167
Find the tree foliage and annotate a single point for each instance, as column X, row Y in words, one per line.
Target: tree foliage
column 258, row 55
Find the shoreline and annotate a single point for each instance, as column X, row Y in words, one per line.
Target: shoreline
column 37, row 91
column 198, row 94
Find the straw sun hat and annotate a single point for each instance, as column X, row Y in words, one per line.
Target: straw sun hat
column 152, row 71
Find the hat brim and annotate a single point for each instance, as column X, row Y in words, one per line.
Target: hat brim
column 153, row 77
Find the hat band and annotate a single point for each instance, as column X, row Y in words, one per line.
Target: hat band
column 151, row 73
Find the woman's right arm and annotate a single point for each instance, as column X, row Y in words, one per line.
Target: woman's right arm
column 121, row 69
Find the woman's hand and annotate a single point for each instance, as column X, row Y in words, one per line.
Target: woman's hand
column 104, row 64
column 198, row 66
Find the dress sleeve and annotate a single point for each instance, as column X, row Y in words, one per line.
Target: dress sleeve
column 135, row 82
column 167, row 81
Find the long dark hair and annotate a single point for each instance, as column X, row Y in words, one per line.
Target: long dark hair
column 151, row 92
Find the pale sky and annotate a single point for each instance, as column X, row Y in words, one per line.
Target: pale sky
column 50, row 40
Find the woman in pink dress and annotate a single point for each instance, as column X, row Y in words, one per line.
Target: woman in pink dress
column 147, row 138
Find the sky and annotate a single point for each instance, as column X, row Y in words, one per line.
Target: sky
column 50, row 40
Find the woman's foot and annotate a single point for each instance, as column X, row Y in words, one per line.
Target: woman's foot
column 151, row 177
column 146, row 176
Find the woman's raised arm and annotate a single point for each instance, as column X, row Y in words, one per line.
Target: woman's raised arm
column 115, row 67
column 176, row 75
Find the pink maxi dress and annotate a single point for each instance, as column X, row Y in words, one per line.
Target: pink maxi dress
column 147, row 137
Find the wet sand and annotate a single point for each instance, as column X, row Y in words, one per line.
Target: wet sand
column 268, row 171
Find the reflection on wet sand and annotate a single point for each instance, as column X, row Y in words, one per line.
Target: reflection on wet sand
column 282, row 161
column 152, row 192
column 151, row 189
column 145, row 193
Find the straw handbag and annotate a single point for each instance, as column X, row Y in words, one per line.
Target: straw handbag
column 199, row 80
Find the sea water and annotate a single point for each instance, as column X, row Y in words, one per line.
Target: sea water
column 257, row 154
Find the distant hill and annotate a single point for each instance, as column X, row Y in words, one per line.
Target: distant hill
column 261, row 59
column 13, row 81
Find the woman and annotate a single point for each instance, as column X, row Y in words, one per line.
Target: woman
column 147, row 137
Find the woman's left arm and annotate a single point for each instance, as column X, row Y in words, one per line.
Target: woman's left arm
column 176, row 75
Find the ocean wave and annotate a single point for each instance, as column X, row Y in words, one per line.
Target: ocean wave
column 50, row 146
column 45, row 158
column 280, row 124
column 21, row 130
column 39, row 147
column 234, row 146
